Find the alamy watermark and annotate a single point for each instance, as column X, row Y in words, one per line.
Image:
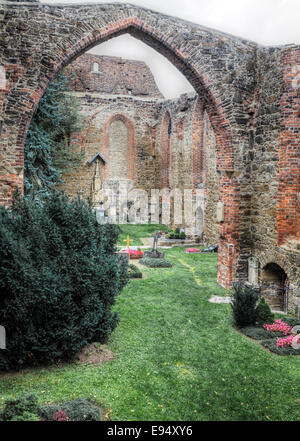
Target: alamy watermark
column 137, row 206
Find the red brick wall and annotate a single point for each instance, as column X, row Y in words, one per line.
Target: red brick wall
column 288, row 206
column 115, row 75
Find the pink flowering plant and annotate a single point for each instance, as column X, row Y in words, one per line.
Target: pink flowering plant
column 60, row 416
column 285, row 329
column 278, row 326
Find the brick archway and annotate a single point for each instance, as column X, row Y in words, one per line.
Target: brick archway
column 219, row 66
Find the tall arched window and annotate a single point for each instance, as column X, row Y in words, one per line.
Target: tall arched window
column 120, row 147
column 118, row 142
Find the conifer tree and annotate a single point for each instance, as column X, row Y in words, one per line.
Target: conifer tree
column 48, row 150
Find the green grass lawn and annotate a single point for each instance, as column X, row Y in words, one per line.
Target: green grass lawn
column 178, row 357
column 136, row 232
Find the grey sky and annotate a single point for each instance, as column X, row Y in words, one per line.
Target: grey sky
column 268, row 22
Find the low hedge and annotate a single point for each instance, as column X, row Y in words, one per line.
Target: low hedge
column 23, row 408
column 291, row 321
column 134, row 272
column 155, row 263
column 75, row 410
column 258, row 333
column 26, row 408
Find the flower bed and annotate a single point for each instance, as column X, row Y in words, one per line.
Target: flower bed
column 134, row 253
column 279, row 337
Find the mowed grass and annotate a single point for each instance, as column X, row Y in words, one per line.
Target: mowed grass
column 178, row 357
column 136, row 232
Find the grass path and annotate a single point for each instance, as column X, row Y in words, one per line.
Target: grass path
column 178, row 357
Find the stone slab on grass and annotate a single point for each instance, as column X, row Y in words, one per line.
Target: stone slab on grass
column 219, row 299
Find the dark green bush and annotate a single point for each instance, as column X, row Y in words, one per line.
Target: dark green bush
column 26, row 408
column 263, row 313
column 27, row 416
column 23, row 408
column 155, row 263
column 176, row 234
column 258, row 333
column 292, row 321
column 243, row 303
column 77, row 410
column 59, row 276
column 134, row 272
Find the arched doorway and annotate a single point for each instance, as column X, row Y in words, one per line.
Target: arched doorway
column 275, row 286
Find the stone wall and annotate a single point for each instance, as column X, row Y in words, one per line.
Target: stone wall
column 112, row 75
column 275, row 167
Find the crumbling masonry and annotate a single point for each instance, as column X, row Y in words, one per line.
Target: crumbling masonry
column 244, row 120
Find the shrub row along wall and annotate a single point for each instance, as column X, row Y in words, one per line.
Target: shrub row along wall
column 250, row 94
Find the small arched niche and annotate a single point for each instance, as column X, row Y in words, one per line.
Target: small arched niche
column 275, row 287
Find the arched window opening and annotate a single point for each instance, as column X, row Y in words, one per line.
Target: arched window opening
column 118, row 141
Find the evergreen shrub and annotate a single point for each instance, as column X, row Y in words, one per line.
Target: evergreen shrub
column 23, row 408
column 243, row 303
column 263, row 313
column 75, row 410
column 59, row 277
column 134, row 272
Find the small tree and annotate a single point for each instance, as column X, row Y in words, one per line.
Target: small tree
column 243, row 303
column 263, row 312
column 48, row 151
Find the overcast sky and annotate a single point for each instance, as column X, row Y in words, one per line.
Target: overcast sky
column 268, row 22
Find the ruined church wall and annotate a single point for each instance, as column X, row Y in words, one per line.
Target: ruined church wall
column 275, row 204
column 104, row 131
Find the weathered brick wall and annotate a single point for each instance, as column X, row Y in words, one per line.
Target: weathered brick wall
column 119, row 128
column 211, row 184
column 112, row 75
column 275, row 166
column 149, row 141
column 248, row 93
